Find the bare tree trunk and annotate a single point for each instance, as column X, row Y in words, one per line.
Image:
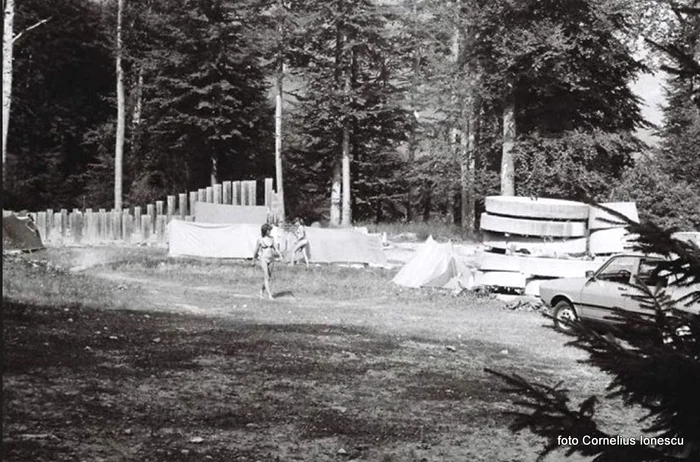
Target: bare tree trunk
column 465, row 134
column 347, row 193
column 337, row 173
column 469, row 167
column 427, row 200
column 465, row 176
column 7, row 39
column 507, row 161
column 279, row 102
column 214, row 175
column 121, row 114
column 138, row 105
column 335, row 194
column 411, row 193
column 278, row 133
column 412, row 138
column 696, row 79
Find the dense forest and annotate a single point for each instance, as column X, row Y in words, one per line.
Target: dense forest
column 393, row 109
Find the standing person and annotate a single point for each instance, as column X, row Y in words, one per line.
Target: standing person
column 302, row 243
column 277, row 234
column 265, row 247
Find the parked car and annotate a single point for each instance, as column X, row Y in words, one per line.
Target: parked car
column 594, row 297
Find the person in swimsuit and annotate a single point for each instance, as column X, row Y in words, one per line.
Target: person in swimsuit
column 266, row 250
column 302, row 243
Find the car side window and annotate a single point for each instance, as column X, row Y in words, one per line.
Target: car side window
column 619, row 270
column 648, row 276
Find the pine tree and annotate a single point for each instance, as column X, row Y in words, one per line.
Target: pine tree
column 654, row 364
column 50, row 113
column 666, row 184
column 348, row 115
column 563, row 68
column 205, row 113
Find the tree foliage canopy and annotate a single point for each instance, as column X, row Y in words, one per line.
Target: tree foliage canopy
column 198, row 77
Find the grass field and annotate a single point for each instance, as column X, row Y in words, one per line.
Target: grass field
column 133, row 356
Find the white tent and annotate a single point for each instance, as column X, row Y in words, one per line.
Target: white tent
column 212, row 240
column 238, row 241
column 436, row 265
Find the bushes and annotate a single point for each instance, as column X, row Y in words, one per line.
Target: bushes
column 660, row 198
column 578, row 165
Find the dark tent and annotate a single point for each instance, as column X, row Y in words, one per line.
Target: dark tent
column 20, row 234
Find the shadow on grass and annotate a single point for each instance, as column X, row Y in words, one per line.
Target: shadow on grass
column 152, row 380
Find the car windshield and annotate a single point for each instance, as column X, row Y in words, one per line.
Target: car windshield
column 619, row 269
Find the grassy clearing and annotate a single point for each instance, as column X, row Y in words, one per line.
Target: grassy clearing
column 122, row 385
column 34, row 279
column 346, row 367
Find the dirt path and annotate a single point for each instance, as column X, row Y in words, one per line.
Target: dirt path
column 384, row 314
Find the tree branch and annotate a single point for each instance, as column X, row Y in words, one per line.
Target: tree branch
column 43, row 21
column 684, row 59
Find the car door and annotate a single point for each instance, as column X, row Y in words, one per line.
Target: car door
column 608, row 288
column 646, row 275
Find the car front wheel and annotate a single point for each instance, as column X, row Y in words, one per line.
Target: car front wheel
column 563, row 312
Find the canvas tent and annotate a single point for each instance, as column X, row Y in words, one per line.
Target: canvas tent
column 211, row 239
column 20, row 234
column 345, row 246
column 238, row 241
column 437, row 265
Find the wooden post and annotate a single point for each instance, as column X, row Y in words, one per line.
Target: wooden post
column 116, row 219
column 145, row 230
column 227, row 192
column 159, row 207
column 57, row 230
column 127, row 226
column 41, row 224
column 64, row 223
column 252, row 192
column 236, row 193
column 160, row 228
column 137, row 219
column 193, row 199
column 70, row 228
column 182, row 205
column 217, row 194
column 77, row 226
column 201, row 195
column 108, row 227
column 171, row 208
column 97, row 226
column 102, row 225
column 89, row 234
column 48, row 236
column 244, row 193
column 49, row 225
column 151, row 212
column 268, row 192
column 210, row 194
